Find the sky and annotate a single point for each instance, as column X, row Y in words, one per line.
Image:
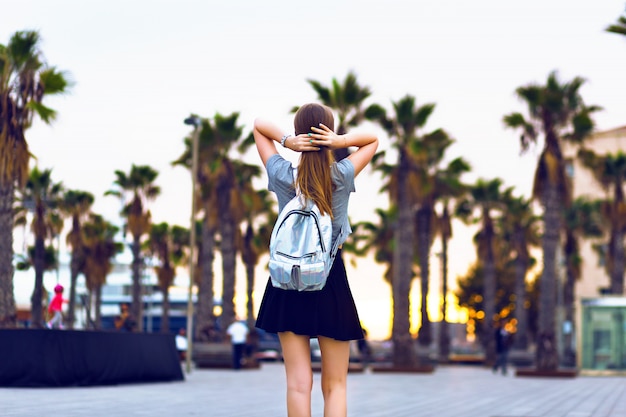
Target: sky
column 140, row 67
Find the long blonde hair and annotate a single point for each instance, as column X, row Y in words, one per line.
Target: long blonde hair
column 314, row 179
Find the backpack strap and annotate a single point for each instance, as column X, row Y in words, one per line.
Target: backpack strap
column 335, row 247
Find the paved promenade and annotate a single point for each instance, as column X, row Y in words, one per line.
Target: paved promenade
column 451, row 391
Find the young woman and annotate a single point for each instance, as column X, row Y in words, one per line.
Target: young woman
column 328, row 314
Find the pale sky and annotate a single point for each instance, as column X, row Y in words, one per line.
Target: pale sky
column 141, row 67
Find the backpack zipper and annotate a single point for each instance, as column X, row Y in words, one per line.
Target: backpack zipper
column 317, row 223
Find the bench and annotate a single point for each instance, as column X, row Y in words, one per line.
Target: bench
column 218, row 356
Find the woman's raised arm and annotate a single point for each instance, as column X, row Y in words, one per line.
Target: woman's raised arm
column 264, row 133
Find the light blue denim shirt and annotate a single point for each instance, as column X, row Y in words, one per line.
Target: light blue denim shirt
column 280, row 173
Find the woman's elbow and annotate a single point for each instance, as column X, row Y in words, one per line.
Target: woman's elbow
column 374, row 143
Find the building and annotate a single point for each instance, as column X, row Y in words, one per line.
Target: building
column 601, row 344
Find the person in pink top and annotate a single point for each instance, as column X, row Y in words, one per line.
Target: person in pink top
column 55, row 308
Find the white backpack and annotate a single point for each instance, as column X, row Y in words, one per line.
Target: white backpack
column 300, row 247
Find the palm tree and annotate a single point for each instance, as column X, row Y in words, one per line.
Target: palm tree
column 42, row 195
column 161, row 247
column 179, row 240
column 519, row 227
column 205, row 241
column 557, row 112
column 618, row 27
column 55, row 219
column 226, row 134
column 407, row 188
column 27, row 260
column 205, row 255
column 222, row 212
column 449, row 188
column 347, row 99
column 377, row 237
column 427, row 154
column 610, row 172
column 139, row 185
column 76, row 204
column 25, row 81
column 483, row 204
column 98, row 236
column 581, row 220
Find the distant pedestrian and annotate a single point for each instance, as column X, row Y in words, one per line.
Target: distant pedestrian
column 55, row 308
column 238, row 333
column 181, row 343
column 125, row 322
column 502, row 340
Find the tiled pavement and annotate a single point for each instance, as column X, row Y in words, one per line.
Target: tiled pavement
column 451, row 391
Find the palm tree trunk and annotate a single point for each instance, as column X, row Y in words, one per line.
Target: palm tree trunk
column 228, row 272
column 98, row 306
column 520, row 313
column 228, row 250
column 249, row 260
column 444, row 337
column 489, row 294
column 249, row 292
column 8, row 316
column 547, row 352
column 424, row 218
column 403, row 347
column 37, row 296
column 137, row 301
column 617, row 273
column 204, row 314
column 74, row 270
column 88, row 308
column 165, row 318
column 571, row 253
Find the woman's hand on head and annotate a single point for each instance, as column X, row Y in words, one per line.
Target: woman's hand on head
column 302, row 143
column 324, row 136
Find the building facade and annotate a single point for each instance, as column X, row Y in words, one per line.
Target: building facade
column 600, row 345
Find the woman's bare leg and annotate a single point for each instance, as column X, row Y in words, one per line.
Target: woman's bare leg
column 297, row 356
column 335, row 360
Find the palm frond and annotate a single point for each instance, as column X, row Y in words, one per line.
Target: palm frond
column 23, row 50
column 54, row 81
column 423, row 113
column 322, row 92
column 46, row 114
column 247, row 142
column 619, row 27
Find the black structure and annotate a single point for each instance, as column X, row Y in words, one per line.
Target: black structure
column 55, row 358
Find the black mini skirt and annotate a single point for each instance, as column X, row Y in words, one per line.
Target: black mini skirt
column 330, row 312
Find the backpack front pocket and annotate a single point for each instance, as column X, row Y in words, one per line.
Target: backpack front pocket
column 280, row 273
column 313, row 276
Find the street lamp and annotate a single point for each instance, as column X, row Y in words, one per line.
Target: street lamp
column 196, row 123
